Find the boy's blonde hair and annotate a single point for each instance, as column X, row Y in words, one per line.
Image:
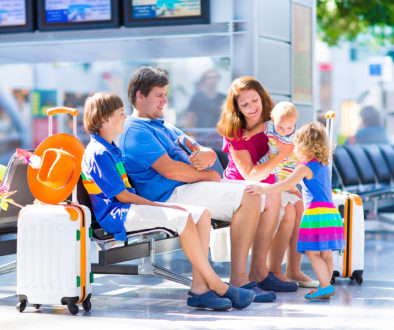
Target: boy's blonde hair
column 98, row 108
column 311, row 140
column 284, row 110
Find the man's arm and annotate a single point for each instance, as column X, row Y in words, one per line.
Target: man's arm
column 180, row 171
column 202, row 158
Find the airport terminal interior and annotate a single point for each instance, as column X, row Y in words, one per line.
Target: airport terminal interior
column 55, row 53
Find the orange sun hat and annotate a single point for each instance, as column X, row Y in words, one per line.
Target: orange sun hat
column 61, row 157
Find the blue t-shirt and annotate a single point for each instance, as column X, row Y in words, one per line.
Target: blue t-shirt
column 317, row 189
column 144, row 142
column 104, row 177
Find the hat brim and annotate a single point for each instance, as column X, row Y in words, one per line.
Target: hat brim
column 44, row 193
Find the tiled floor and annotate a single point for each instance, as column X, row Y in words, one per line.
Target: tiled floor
column 150, row 303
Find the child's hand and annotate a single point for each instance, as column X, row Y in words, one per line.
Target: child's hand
column 246, row 134
column 254, row 190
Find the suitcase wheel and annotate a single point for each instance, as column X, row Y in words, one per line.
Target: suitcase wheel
column 74, row 309
column 358, row 276
column 20, row 307
column 86, row 304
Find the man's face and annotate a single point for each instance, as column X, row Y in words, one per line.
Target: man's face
column 151, row 106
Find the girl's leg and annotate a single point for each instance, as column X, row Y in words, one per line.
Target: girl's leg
column 206, row 276
column 327, row 256
column 320, row 267
column 293, row 265
column 280, row 242
column 263, row 238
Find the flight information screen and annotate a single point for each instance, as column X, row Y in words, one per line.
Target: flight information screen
column 165, row 8
column 64, row 11
column 160, row 12
column 12, row 12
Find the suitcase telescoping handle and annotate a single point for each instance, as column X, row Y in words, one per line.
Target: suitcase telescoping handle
column 74, row 113
column 330, row 115
column 53, row 111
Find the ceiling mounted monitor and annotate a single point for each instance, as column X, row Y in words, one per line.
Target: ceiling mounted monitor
column 77, row 14
column 165, row 12
column 16, row 16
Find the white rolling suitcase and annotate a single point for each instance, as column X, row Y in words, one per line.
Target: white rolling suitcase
column 53, row 238
column 53, row 256
column 348, row 263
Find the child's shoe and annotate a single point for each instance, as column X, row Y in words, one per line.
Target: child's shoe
column 321, row 293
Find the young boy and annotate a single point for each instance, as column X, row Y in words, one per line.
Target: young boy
column 118, row 209
column 281, row 127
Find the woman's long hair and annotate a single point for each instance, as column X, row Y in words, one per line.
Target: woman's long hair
column 232, row 120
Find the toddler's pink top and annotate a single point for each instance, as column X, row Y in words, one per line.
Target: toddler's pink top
column 257, row 147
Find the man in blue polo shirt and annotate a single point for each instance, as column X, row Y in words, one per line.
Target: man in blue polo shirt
column 161, row 171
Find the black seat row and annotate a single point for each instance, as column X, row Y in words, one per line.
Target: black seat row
column 367, row 170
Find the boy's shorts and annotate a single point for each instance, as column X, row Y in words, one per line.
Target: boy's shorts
column 142, row 217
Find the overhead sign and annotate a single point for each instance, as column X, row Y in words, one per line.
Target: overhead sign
column 381, row 68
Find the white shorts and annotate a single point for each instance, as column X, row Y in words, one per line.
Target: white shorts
column 142, row 217
column 222, row 199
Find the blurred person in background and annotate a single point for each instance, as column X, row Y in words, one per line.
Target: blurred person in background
column 204, row 106
column 371, row 130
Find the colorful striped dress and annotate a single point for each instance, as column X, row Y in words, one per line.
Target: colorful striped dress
column 321, row 226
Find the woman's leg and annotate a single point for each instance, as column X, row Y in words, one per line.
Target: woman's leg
column 293, row 264
column 263, row 237
column 320, row 267
column 280, row 242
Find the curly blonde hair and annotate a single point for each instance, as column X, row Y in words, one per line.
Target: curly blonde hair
column 231, row 119
column 312, row 142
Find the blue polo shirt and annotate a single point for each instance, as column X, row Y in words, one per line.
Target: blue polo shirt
column 104, row 177
column 144, row 142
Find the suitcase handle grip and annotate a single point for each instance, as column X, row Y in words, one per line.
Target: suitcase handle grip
column 56, row 110
column 330, row 114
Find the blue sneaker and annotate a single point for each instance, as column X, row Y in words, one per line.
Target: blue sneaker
column 272, row 283
column 208, row 300
column 261, row 295
column 324, row 293
column 239, row 297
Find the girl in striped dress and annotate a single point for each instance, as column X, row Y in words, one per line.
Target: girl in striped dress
column 321, row 229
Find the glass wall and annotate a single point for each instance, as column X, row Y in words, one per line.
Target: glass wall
column 197, row 88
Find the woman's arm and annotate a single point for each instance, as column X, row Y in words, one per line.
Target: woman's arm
column 258, row 172
column 294, row 178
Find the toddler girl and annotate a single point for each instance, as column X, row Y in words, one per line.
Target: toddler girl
column 280, row 128
column 321, row 229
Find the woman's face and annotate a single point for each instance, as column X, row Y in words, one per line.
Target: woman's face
column 250, row 105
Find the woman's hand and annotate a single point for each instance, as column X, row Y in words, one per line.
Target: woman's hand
column 285, row 149
column 254, row 190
